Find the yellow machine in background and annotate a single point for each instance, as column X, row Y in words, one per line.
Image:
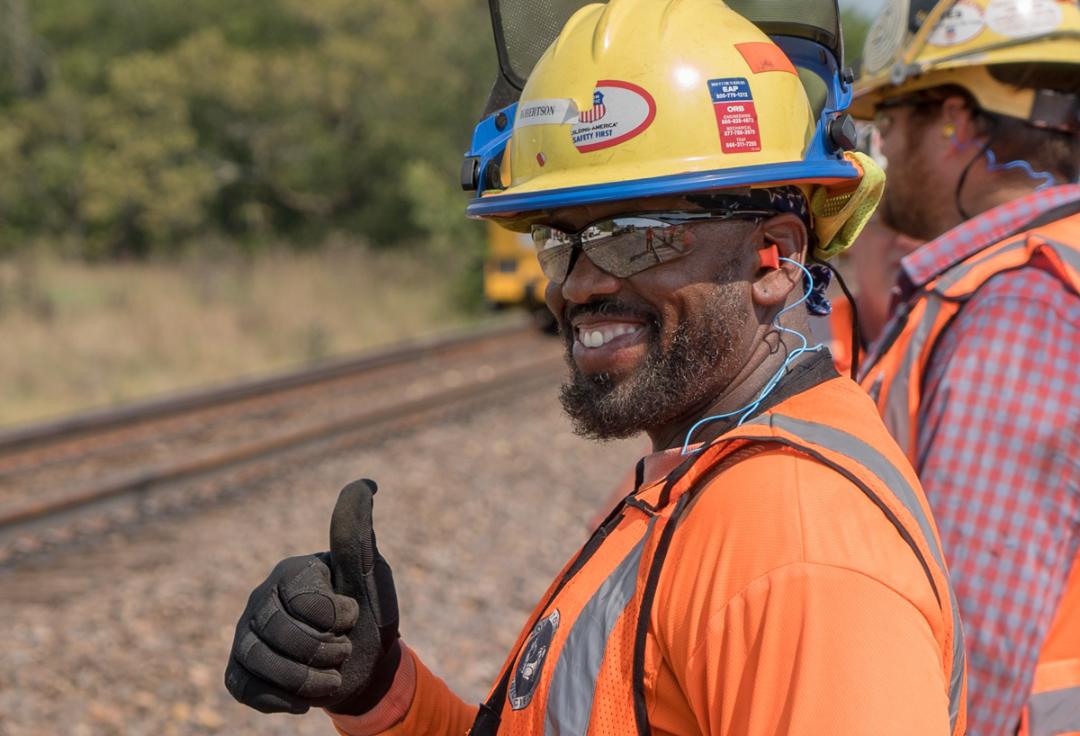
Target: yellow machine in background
column 512, row 275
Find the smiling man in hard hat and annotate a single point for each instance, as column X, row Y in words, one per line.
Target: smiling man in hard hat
column 773, row 568
column 978, row 106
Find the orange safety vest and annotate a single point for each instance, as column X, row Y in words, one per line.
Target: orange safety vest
column 894, row 380
column 834, row 331
column 586, row 662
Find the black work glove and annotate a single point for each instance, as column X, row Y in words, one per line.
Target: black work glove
column 321, row 630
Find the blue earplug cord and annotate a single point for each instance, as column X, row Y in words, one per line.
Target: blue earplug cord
column 747, row 411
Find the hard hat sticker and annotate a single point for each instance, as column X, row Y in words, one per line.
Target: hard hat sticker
column 765, row 56
column 886, row 36
column 546, row 112
column 1020, row 18
column 620, row 111
column 736, row 115
column 961, row 23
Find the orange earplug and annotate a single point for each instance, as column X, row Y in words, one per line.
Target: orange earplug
column 770, row 257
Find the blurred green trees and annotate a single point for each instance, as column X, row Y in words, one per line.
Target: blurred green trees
column 854, row 24
column 128, row 128
column 132, row 127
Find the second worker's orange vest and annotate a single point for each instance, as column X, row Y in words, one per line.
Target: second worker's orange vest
column 894, row 379
column 834, row 331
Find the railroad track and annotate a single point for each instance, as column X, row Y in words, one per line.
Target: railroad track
column 75, row 478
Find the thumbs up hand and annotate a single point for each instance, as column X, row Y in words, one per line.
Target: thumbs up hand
column 321, row 630
column 361, row 573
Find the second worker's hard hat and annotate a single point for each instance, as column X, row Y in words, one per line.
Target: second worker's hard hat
column 1018, row 58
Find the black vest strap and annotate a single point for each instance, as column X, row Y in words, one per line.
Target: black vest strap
column 641, row 710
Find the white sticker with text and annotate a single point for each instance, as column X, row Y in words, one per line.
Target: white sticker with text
column 1021, row 18
column 961, row 23
column 620, row 111
column 546, row 112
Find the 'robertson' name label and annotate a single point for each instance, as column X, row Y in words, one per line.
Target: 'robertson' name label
column 546, row 112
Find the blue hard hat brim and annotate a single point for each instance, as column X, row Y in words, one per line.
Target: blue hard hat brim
column 796, row 172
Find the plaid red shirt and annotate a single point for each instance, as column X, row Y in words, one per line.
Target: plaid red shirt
column 998, row 432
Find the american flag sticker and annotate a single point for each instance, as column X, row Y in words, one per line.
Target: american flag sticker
column 620, row 111
column 596, row 112
column 736, row 116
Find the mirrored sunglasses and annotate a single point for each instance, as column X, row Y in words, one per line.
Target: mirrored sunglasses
column 629, row 244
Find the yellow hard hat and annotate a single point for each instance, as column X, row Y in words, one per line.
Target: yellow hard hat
column 988, row 47
column 643, row 98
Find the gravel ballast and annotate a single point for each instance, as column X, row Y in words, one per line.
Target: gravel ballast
column 475, row 515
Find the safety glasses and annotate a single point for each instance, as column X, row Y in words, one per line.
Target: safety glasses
column 629, row 244
column 885, row 110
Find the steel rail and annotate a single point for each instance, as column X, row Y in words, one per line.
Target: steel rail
column 209, row 463
column 53, row 431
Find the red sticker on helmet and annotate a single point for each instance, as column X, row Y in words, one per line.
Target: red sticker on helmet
column 736, row 115
column 620, row 111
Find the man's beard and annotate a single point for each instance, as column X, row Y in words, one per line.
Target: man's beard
column 902, row 213
column 669, row 383
column 907, row 202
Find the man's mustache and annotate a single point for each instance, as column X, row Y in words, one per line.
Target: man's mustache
column 607, row 308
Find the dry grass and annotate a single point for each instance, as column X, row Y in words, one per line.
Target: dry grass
column 75, row 336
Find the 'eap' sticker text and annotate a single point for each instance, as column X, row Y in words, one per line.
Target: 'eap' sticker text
column 736, row 116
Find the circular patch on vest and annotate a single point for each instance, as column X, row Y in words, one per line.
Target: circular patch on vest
column 527, row 674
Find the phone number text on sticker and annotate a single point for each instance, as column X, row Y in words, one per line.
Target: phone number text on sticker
column 736, row 116
column 620, row 111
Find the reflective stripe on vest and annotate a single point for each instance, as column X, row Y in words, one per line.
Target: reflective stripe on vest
column 573, row 683
column 1054, row 695
column 1069, row 255
column 897, row 412
column 864, row 454
column 1054, row 713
